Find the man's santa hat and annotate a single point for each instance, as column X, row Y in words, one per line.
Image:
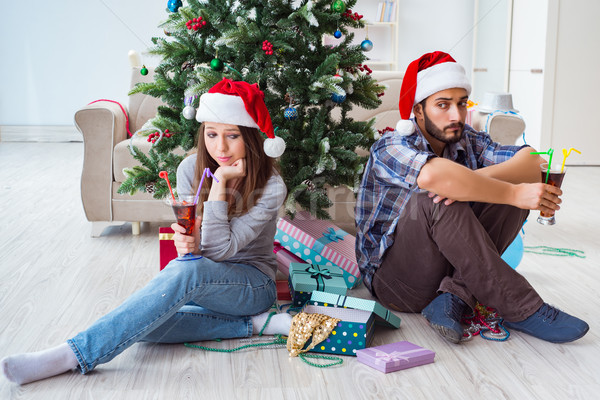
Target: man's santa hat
column 243, row 104
column 429, row 74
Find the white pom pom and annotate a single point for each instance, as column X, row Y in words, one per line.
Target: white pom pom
column 274, row 147
column 405, row 127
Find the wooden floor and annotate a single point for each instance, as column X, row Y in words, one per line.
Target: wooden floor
column 55, row 280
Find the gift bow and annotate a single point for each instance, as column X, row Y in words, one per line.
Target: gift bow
column 381, row 357
column 316, row 272
column 332, row 235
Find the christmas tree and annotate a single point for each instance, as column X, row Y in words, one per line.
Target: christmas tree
column 310, row 88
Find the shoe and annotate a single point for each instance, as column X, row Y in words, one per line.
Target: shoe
column 551, row 324
column 444, row 314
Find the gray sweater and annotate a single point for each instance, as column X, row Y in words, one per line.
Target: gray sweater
column 244, row 239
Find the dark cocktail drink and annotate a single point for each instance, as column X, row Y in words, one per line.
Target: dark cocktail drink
column 555, row 178
column 186, row 215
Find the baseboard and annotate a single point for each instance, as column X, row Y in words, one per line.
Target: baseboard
column 39, row 133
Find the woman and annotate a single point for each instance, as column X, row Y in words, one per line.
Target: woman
column 227, row 292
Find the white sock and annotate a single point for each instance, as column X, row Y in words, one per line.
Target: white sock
column 29, row 367
column 278, row 324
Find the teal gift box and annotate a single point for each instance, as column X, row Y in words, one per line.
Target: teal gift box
column 320, row 242
column 358, row 318
column 306, row 278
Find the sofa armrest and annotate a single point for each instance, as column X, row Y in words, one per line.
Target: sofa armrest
column 103, row 125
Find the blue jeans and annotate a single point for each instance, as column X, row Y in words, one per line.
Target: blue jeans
column 187, row 301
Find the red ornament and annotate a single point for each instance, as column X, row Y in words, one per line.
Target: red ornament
column 195, row 24
column 267, row 47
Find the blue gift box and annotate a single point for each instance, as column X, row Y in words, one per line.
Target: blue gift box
column 358, row 317
column 306, row 278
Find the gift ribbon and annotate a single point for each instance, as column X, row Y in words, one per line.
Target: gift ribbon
column 331, row 235
column 319, row 275
column 277, row 247
column 395, row 357
column 165, row 236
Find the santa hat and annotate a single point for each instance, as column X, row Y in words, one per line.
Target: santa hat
column 429, row 74
column 243, row 104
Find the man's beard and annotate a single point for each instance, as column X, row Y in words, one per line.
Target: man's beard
column 438, row 133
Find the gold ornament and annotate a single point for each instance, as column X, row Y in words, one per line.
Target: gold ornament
column 304, row 326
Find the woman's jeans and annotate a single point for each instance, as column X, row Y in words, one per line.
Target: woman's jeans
column 187, row 301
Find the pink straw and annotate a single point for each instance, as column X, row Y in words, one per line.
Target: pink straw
column 165, row 176
column 206, row 172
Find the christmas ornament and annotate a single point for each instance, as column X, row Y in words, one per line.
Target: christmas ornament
column 338, row 98
column 337, row 34
column 144, row 70
column 189, row 111
column 173, row 5
column 216, row 64
column 366, row 45
column 267, row 47
column 355, row 16
column 290, row 113
column 195, row 24
column 338, row 6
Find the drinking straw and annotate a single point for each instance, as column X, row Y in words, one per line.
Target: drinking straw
column 204, row 173
column 550, row 153
column 565, row 155
column 165, row 176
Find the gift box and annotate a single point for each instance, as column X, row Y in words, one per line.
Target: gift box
column 395, row 356
column 319, row 242
column 358, row 317
column 352, row 333
column 283, row 291
column 382, row 315
column 285, row 258
column 167, row 248
column 306, row 278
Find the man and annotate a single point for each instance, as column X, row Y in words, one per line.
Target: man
column 438, row 205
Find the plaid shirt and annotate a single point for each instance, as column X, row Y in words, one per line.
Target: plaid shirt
column 390, row 178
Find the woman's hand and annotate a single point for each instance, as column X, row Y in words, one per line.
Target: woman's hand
column 235, row 170
column 187, row 243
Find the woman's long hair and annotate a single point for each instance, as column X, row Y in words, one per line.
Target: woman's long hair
column 247, row 191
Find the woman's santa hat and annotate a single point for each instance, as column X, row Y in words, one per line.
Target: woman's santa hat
column 243, row 104
column 429, row 74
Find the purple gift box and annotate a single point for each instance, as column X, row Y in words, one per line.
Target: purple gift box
column 395, row 356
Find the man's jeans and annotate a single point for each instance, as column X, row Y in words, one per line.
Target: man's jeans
column 187, row 301
column 455, row 249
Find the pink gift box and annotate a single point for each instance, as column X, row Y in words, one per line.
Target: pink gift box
column 285, row 258
column 395, row 356
column 320, row 242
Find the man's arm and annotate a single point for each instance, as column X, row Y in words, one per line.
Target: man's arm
column 450, row 180
column 523, row 167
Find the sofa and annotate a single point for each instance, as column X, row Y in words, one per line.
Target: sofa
column 106, row 154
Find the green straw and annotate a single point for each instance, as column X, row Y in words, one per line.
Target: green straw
column 550, row 153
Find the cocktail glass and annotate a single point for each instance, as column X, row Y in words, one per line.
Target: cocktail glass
column 555, row 178
column 185, row 212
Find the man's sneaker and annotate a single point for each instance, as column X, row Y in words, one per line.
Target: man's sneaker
column 551, row 324
column 444, row 314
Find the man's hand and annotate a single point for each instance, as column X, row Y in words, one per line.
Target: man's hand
column 437, row 199
column 187, row 243
column 538, row 196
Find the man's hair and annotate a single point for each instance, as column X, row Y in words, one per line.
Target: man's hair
column 259, row 168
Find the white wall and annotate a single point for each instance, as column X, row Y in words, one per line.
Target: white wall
column 57, row 56
column 426, row 26
column 67, row 53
